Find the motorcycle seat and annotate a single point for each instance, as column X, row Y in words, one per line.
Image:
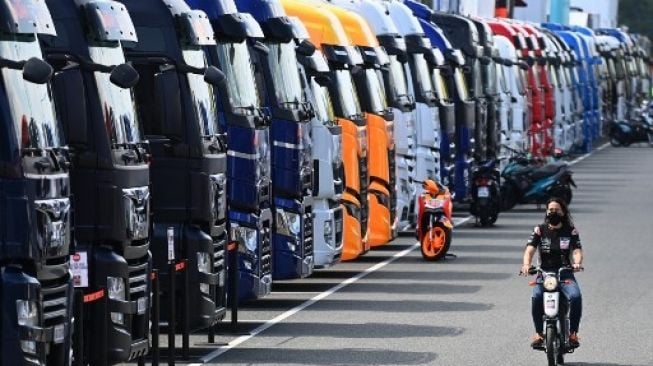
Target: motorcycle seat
column 547, row 170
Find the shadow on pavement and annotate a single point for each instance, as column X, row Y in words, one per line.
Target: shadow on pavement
column 362, row 330
column 367, row 287
column 343, row 356
column 492, row 248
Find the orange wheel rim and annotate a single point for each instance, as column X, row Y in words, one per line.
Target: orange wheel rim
column 433, row 242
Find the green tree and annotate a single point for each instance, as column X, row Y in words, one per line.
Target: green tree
column 636, row 14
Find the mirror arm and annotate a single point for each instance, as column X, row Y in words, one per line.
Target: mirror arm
column 14, row 65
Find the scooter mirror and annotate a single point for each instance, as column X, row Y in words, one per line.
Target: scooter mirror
column 306, row 48
column 124, row 76
column 214, row 76
column 37, row 71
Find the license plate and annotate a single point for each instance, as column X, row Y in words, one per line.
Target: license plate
column 434, row 203
column 59, row 333
column 142, row 305
column 483, row 192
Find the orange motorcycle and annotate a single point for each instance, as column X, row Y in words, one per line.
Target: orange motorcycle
column 434, row 224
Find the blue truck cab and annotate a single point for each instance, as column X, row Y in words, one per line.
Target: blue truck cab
column 35, row 199
column 463, row 35
column 291, row 160
column 593, row 62
column 247, row 123
column 110, row 173
column 175, row 99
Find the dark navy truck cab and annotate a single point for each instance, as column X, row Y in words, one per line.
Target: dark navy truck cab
column 247, row 122
column 291, row 159
column 110, row 174
column 35, row 203
column 175, row 99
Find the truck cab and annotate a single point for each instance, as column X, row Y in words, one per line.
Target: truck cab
column 36, row 286
column 328, row 166
column 379, row 117
column 399, row 98
column 175, row 100
column 291, row 164
column 247, row 124
column 110, row 178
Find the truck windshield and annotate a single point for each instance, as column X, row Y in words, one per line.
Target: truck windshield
column 283, row 64
column 204, row 101
column 323, row 106
column 422, row 74
column 397, row 77
column 490, row 77
column 347, row 94
column 117, row 103
column 378, row 99
column 461, row 84
column 30, row 104
column 476, row 79
column 522, row 80
column 440, row 86
column 237, row 66
column 501, row 76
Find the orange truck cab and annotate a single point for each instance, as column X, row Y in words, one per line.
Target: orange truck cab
column 326, row 33
column 382, row 196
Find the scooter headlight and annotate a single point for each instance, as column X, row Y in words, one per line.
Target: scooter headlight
column 116, row 290
column 550, row 283
column 28, row 314
column 288, row 223
column 245, row 237
column 204, row 266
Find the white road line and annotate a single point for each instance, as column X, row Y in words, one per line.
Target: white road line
column 279, row 318
column 581, row 158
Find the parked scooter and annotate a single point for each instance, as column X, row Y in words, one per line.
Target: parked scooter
column 486, row 192
column 527, row 180
column 556, row 317
column 624, row 133
column 434, row 224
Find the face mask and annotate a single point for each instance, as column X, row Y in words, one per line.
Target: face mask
column 553, row 218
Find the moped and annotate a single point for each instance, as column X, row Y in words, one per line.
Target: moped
column 434, row 224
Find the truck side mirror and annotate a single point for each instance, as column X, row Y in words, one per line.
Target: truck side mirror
column 214, row 76
column 523, row 65
column 68, row 85
column 485, row 60
column 305, row 48
column 37, row 71
column 124, row 76
column 323, row 80
column 260, row 47
column 167, row 98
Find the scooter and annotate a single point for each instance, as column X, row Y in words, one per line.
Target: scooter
column 486, row 200
column 556, row 317
column 640, row 129
column 528, row 180
column 434, row 224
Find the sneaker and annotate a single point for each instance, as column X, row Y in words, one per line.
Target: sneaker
column 538, row 341
column 573, row 340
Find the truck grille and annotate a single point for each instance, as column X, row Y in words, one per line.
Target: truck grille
column 362, row 169
column 393, row 184
column 138, row 277
column 266, row 249
column 55, row 301
column 308, row 231
column 219, row 247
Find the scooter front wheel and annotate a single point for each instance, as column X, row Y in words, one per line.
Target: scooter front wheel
column 435, row 242
column 551, row 347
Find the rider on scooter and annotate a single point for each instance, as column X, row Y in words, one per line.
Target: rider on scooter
column 558, row 244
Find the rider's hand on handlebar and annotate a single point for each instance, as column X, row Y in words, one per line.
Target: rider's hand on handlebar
column 577, row 267
column 525, row 268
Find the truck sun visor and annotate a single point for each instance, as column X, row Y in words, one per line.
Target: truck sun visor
column 26, row 17
column 196, row 28
column 110, row 21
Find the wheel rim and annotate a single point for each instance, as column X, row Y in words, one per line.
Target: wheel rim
column 433, row 243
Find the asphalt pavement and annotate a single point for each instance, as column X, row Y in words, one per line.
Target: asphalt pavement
column 392, row 308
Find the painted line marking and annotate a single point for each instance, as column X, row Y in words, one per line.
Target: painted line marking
column 581, row 158
column 281, row 317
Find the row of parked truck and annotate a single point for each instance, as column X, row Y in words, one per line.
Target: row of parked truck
column 291, row 134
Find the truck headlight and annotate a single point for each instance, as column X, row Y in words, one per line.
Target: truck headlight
column 204, row 266
column 217, row 199
column 116, row 290
column 136, row 207
column 361, row 137
column 336, row 156
column 245, row 237
column 328, row 232
column 288, row 223
column 390, row 131
column 28, row 315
